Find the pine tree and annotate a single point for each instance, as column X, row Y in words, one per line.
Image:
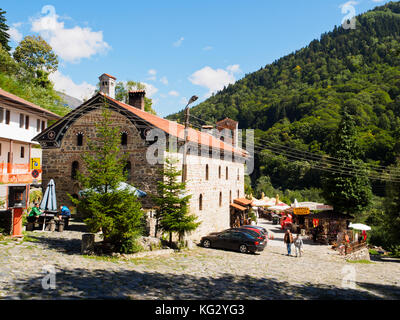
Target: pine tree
column 4, row 36
column 105, row 206
column 173, row 206
column 347, row 194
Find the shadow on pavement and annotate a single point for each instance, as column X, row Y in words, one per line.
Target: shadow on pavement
column 69, row 246
column 130, row 284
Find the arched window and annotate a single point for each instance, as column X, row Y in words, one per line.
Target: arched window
column 207, row 172
column 128, row 170
column 220, row 199
column 219, row 172
column 230, row 196
column 238, row 193
column 74, row 170
column 226, row 173
column 201, row 202
column 124, row 138
column 238, row 176
column 79, row 139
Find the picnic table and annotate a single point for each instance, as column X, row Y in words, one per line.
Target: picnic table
column 46, row 221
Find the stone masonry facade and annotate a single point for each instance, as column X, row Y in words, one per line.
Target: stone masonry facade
column 57, row 163
column 213, row 183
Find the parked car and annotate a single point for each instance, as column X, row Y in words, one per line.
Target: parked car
column 253, row 231
column 263, row 230
column 233, row 240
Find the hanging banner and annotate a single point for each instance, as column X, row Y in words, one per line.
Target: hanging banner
column 301, row 211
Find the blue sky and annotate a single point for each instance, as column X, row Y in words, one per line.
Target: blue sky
column 178, row 48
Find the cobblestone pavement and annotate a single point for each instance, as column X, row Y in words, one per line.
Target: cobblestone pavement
column 196, row 274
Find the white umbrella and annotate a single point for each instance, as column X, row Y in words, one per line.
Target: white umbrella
column 259, row 203
column 359, row 226
column 279, row 208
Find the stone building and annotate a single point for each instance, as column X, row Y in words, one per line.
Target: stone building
column 215, row 169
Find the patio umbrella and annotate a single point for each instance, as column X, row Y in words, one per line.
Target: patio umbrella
column 359, row 226
column 49, row 201
column 279, row 207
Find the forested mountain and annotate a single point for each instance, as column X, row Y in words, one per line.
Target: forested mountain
column 296, row 101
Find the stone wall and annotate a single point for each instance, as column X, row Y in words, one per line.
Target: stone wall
column 57, row 163
column 362, row 254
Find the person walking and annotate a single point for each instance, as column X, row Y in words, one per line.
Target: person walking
column 288, row 239
column 298, row 245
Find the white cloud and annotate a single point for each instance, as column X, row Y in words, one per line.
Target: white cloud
column 70, row 44
column 150, row 89
column 173, row 93
column 152, row 74
column 164, row 80
column 66, row 85
column 207, row 48
column 15, row 34
column 214, row 79
column 178, row 43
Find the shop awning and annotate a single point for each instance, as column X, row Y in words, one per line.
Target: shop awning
column 238, row 207
column 243, row 201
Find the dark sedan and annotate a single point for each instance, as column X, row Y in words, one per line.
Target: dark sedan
column 262, row 230
column 233, row 240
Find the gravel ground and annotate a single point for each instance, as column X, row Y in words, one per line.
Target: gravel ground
column 26, row 272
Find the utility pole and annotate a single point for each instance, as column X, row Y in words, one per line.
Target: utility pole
column 186, row 138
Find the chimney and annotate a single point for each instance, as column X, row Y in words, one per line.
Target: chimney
column 207, row 128
column 107, row 85
column 136, row 99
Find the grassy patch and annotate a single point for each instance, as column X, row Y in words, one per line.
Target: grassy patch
column 360, row 261
column 102, row 258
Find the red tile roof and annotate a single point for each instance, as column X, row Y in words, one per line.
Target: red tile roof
column 47, row 114
column 177, row 130
column 109, row 75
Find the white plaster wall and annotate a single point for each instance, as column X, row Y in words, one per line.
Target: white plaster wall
column 13, row 131
column 213, row 216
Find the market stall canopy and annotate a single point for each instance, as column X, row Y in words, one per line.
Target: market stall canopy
column 279, row 207
column 243, row 202
column 238, row 207
column 259, row 203
column 311, row 205
column 123, row 186
column 359, row 226
column 49, row 201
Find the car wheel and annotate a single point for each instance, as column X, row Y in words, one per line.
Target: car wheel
column 243, row 248
column 206, row 243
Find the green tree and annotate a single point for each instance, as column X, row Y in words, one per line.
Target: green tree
column 172, row 205
column 36, row 55
column 116, row 212
column 348, row 194
column 4, row 36
column 122, row 93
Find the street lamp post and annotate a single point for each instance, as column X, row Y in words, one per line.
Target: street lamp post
column 186, row 138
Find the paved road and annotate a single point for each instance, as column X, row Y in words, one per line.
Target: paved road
column 196, row 274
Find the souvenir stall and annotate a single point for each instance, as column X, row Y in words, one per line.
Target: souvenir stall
column 239, row 212
column 325, row 226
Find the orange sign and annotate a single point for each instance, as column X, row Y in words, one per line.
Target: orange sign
column 301, row 211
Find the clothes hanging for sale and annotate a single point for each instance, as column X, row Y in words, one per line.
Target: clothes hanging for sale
column 315, row 222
